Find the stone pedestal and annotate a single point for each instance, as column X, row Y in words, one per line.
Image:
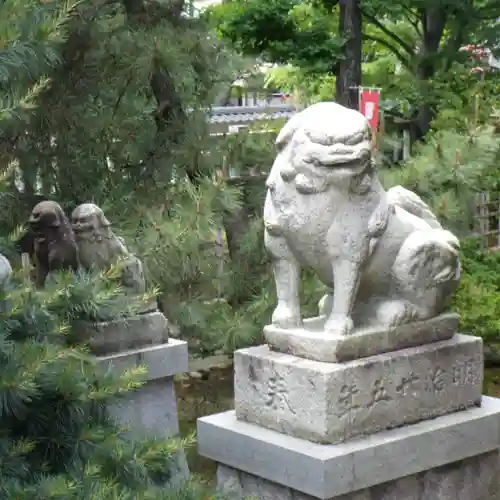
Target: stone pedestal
column 152, row 409
column 310, row 341
column 454, row 457
column 405, row 425
column 333, row 402
column 108, row 337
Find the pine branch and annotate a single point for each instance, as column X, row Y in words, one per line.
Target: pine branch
column 26, row 59
column 19, row 111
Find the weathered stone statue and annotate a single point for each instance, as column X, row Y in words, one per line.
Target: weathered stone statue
column 100, row 248
column 383, row 254
column 54, row 247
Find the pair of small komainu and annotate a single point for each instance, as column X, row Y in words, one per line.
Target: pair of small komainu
column 86, row 242
column 383, row 255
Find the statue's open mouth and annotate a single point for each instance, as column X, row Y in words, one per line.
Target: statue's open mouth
column 352, row 162
column 354, row 158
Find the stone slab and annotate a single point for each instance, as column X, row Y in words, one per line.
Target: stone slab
column 312, row 342
column 161, row 361
column 122, row 334
column 474, row 478
column 152, row 408
column 335, row 402
column 329, row 471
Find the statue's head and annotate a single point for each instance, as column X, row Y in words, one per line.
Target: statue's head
column 88, row 217
column 322, row 145
column 47, row 216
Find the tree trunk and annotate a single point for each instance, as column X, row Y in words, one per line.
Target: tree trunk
column 433, row 20
column 348, row 75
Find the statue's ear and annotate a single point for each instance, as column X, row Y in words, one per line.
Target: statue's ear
column 287, row 132
column 104, row 221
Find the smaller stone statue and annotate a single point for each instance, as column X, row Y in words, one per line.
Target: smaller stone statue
column 100, row 248
column 54, row 247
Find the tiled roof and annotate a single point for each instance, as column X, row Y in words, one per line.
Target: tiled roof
column 245, row 114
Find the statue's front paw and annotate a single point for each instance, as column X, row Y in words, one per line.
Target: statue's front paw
column 339, row 325
column 285, row 317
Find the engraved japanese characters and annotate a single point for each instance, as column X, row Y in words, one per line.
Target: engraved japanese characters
column 100, row 248
column 334, row 402
column 53, row 242
column 383, row 254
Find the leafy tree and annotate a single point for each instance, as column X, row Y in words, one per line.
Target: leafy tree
column 310, row 35
column 426, row 38
column 421, row 38
column 115, row 93
column 117, row 115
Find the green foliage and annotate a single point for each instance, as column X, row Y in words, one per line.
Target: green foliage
column 478, row 297
column 282, row 31
column 29, row 46
column 105, row 101
column 449, row 171
column 306, row 88
column 56, row 438
column 186, row 258
column 120, row 119
column 418, row 65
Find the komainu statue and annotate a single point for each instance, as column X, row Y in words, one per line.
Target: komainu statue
column 52, row 242
column 100, row 248
column 383, row 255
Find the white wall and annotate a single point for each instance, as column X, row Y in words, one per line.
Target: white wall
column 201, row 4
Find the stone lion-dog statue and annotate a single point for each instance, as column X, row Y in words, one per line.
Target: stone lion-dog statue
column 383, row 255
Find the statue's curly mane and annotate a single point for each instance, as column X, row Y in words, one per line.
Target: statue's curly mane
column 325, row 152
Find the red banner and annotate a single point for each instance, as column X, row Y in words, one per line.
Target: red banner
column 369, row 104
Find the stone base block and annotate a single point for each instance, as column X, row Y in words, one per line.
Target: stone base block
column 474, row 478
column 454, row 457
column 161, row 361
column 311, row 341
column 334, row 402
column 152, row 408
column 122, row 334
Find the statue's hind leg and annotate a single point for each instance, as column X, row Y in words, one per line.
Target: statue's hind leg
column 385, row 313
